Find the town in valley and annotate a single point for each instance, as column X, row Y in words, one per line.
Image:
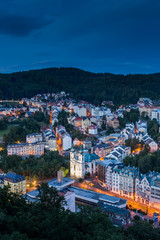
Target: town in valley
column 103, row 156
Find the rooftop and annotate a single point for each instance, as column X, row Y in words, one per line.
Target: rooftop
column 13, row 177
column 96, row 197
column 59, row 185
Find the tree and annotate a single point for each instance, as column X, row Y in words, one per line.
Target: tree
column 136, row 218
column 65, row 171
column 3, row 124
column 39, row 116
column 49, row 197
column 103, row 125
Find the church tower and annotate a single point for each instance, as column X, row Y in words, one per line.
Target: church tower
column 77, row 164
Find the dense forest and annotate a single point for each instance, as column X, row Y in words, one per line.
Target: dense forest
column 45, row 166
column 82, row 84
column 144, row 161
column 47, row 219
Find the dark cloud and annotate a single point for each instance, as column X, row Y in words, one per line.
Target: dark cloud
column 17, row 25
column 97, row 35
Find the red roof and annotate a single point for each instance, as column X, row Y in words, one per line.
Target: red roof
column 92, row 127
column 61, row 193
column 75, row 139
column 78, row 119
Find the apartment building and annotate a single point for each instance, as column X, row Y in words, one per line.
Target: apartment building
column 16, row 183
column 34, row 137
column 127, row 176
column 26, row 149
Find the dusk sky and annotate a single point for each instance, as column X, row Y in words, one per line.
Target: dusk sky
column 117, row 36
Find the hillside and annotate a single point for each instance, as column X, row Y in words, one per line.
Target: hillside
column 84, row 85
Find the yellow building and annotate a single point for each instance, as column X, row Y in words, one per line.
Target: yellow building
column 16, row 182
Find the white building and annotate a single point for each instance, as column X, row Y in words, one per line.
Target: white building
column 62, row 187
column 156, row 115
column 153, row 145
column 119, row 153
column 34, row 137
column 115, row 179
column 34, row 109
column 143, row 188
column 66, row 141
column 77, row 164
column 26, row 149
column 106, row 173
column 155, row 192
column 52, row 143
column 92, row 130
column 141, row 126
column 127, row 177
column 82, row 162
column 82, row 111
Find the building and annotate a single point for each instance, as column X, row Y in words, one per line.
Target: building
column 105, row 172
column 78, row 122
column 115, row 138
column 114, row 123
column 61, row 185
column 127, row 178
column 47, row 133
column 77, row 142
column 115, row 179
column 64, row 140
column 87, row 144
column 86, row 123
column 102, row 149
column 52, row 143
column 77, row 164
column 26, row 149
column 82, row 162
column 34, row 137
column 141, row 126
column 94, row 199
column 119, row 153
column 92, row 130
column 82, row 111
column 91, row 161
column 156, row 115
column 143, row 188
column 34, row 109
column 148, row 111
column 152, row 144
column 155, row 191
column 119, row 217
column 16, row 182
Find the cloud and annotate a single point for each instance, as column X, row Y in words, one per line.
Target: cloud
column 18, row 25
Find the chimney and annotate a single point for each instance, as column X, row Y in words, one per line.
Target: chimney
column 91, row 150
column 60, row 176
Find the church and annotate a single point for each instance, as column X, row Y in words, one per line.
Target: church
column 82, row 162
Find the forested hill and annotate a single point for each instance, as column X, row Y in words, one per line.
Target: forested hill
column 84, row 85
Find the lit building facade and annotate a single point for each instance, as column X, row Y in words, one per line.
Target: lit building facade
column 34, row 137
column 16, row 182
column 26, row 149
column 82, row 162
column 127, row 177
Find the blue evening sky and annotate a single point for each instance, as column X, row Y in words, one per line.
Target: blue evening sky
column 117, row 36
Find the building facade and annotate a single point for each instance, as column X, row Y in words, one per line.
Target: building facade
column 34, row 137
column 26, row 149
column 82, row 162
column 127, row 177
column 16, row 183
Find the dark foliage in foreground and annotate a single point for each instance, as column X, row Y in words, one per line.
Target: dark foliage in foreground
column 47, row 220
